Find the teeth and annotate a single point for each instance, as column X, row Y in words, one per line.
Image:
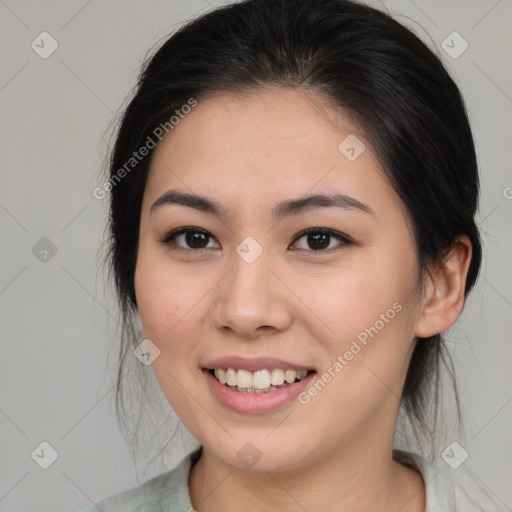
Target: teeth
column 277, row 377
column 260, row 381
column 289, row 376
column 221, row 375
column 231, row 377
column 244, row 379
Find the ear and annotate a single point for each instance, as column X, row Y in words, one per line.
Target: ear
column 443, row 298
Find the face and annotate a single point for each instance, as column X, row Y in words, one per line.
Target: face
column 267, row 283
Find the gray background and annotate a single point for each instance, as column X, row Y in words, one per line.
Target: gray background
column 56, row 379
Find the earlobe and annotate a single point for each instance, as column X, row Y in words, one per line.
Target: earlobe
column 443, row 299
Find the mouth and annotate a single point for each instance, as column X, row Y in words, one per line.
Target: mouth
column 265, row 380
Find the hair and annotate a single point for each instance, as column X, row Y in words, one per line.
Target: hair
column 364, row 62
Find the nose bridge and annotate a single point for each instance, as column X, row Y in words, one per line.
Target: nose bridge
column 250, row 271
column 250, row 297
column 250, row 261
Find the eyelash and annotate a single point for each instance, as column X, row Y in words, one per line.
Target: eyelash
column 343, row 239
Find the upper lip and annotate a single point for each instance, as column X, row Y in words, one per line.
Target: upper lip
column 253, row 365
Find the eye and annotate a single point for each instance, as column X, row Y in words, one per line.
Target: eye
column 321, row 240
column 189, row 238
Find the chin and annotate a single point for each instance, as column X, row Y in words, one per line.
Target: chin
column 259, row 455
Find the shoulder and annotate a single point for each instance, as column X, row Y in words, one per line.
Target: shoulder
column 165, row 492
column 450, row 490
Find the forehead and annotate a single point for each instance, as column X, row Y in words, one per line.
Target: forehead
column 261, row 124
column 266, row 144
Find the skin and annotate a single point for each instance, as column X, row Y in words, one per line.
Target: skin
column 248, row 153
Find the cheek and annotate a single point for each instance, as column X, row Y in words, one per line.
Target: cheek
column 370, row 310
column 353, row 300
column 167, row 301
column 365, row 351
column 165, row 297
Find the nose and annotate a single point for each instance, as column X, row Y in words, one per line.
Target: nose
column 252, row 301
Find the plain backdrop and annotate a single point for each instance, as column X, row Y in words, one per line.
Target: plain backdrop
column 56, row 382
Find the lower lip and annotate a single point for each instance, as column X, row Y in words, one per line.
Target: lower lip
column 255, row 403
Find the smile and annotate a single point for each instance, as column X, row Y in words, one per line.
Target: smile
column 259, row 381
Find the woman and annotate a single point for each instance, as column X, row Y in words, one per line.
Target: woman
column 293, row 191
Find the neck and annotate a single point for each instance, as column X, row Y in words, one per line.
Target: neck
column 351, row 479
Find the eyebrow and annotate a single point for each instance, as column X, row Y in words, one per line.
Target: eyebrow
column 281, row 210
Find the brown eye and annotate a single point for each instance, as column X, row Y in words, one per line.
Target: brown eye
column 189, row 238
column 320, row 240
column 195, row 240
